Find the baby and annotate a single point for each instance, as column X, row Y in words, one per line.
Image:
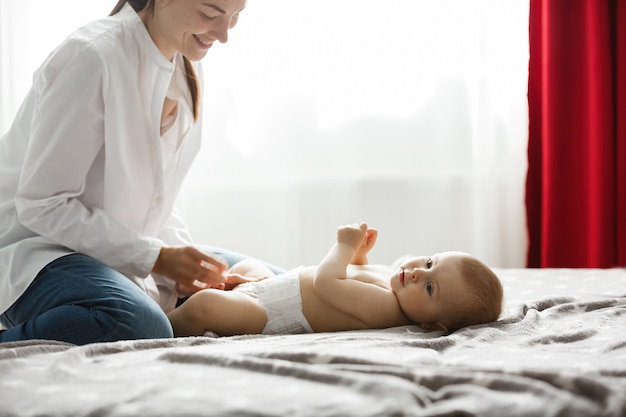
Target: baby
column 445, row 292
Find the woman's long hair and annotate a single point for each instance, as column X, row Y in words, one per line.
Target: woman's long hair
column 190, row 72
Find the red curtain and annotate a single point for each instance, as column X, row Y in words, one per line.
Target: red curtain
column 576, row 183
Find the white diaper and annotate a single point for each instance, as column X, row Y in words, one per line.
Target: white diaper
column 280, row 297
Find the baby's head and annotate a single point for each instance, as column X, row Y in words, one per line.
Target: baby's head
column 448, row 291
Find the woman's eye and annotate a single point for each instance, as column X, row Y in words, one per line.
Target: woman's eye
column 208, row 17
column 429, row 263
column 429, row 288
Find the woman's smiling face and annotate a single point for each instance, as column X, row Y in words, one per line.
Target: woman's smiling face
column 191, row 26
column 428, row 287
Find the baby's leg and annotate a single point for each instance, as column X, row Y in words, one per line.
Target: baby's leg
column 225, row 313
column 251, row 268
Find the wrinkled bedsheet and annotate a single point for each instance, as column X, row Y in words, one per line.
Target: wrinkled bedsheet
column 559, row 349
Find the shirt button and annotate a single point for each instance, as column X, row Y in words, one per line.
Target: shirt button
column 158, row 200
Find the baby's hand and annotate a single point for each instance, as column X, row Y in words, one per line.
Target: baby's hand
column 352, row 234
column 360, row 255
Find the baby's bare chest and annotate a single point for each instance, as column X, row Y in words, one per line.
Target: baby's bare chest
column 370, row 274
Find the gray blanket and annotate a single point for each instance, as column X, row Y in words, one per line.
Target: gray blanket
column 559, row 349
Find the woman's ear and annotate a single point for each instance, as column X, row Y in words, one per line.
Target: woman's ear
column 434, row 327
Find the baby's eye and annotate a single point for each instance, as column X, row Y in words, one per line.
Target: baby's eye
column 429, row 288
column 429, row 263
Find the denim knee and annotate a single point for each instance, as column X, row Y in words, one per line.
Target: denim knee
column 137, row 320
column 150, row 323
column 80, row 300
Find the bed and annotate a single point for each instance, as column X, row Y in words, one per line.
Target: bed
column 559, row 349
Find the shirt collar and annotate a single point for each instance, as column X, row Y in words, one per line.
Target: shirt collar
column 150, row 49
column 178, row 88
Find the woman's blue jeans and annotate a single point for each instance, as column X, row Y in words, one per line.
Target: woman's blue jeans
column 80, row 300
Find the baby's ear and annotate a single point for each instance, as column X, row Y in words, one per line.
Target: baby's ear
column 434, row 327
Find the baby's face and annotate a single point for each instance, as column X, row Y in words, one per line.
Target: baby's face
column 428, row 286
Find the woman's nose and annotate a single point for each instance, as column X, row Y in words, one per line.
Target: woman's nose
column 220, row 31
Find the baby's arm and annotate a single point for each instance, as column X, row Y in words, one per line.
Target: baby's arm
column 334, row 264
column 371, row 304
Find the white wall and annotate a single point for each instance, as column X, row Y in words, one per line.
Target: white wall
column 294, row 222
column 408, row 114
column 29, row 31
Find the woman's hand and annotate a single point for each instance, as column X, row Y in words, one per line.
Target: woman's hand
column 190, row 268
column 230, row 282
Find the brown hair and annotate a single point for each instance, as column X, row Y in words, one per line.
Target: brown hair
column 190, row 72
column 484, row 303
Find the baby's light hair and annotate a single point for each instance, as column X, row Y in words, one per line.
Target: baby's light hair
column 484, row 303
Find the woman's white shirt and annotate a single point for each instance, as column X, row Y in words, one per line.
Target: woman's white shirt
column 82, row 169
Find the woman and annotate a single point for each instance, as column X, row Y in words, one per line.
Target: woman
column 89, row 172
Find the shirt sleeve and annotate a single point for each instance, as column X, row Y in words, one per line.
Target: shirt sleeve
column 175, row 231
column 67, row 135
